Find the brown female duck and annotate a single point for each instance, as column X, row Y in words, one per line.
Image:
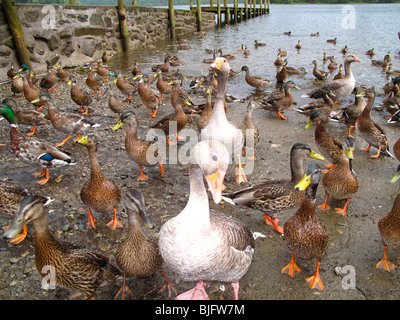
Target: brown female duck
column 369, row 130
column 136, row 70
column 99, row 193
column 11, row 73
column 304, row 234
column 340, row 74
column 75, row 267
column 389, row 229
column 26, row 116
column 61, row 73
column 318, row 73
column 273, row 196
column 144, row 153
column 163, row 86
column 30, row 92
column 17, row 85
column 117, row 105
column 149, row 96
column 281, row 75
column 326, row 104
column 66, row 122
column 341, row 182
column 280, row 101
column 254, row 81
column 329, row 146
column 126, row 87
column 93, row 83
column 137, row 256
column 205, row 115
column 101, row 71
column 49, row 80
column 163, row 67
column 80, row 97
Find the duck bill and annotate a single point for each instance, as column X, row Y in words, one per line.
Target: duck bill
column 315, row 155
column 395, row 177
column 144, row 217
column 303, row 183
column 36, row 100
column 350, row 153
column 17, row 226
column 215, row 183
column 217, row 64
column 309, row 124
column 118, row 125
column 83, row 140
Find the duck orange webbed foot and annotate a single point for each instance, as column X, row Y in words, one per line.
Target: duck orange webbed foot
column 292, row 269
column 273, row 222
column 385, row 264
column 114, row 223
column 314, row 282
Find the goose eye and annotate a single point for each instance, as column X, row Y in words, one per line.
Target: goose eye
column 214, row 157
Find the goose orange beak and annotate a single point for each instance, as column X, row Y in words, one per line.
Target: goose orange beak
column 215, row 183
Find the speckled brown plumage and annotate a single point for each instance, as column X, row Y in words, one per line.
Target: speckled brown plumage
column 49, row 80
column 93, row 83
column 125, row 86
column 10, row 196
column 80, row 97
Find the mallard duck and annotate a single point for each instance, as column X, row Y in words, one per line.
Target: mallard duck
column 25, row 116
column 106, row 58
column 32, row 150
column 281, row 75
column 326, row 58
column 332, row 40
column 202, row 244
column 75, row 268
column 304, row 234
column 117, row 105
column 340, row 74
column 391, row 103
column 287, row 33
column 273, row 196
column 61, row 73
column 392, row 86
column 144, row 153
column 183, row 47
column 332, row 65
column 11, row 73
column 259, row 44
column 136, row 70
column 219, row 128
column 278, row 61
column 329, row 146
column 163, row 86
column 99, row 193
column 370, row 52
column 293, row 71
column 345, row 50
column 172, row 123
column 298, row 45
column 126, row 87
column 370, row 131
column 318, row 73
column 316, row 34
column 101, row 71
column 280, row 101
column 205, row 115
column 282, row 53
column 80, row 97
column 326, row 104
column 137, row 256
column 66, row 122
column 30, row 92
column 227, row 56
column 350, row 113
column 49, row 80
column 381, row 63
column 93, row 83
column 163, row 67
column 249, row 130
column 175, row 62
column 341, row 182
column 389, row 229
column 392, row 72
column 254, row 81
column 17, row 85
column 341, row 88
column 149, row 96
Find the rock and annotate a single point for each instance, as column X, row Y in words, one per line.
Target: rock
column 89, row 31
column 53, row 43
column 88, row 46
column 82, row 17
column 96, row 20
column 52, row 60
column 67, row 49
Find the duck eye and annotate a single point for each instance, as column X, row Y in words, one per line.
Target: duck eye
column 214, row 157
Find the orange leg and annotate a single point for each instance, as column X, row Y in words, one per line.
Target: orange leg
column 314, row 282
column 142, row 176
column 153, row 113
column 100, row 94
column 32, row 132
column 169, row 141
column 191, row 117
column 292, row 269
column 162, row 167
column 240, row 175
column 385, row 264
column 20, row 237
column 377, row 154
column 342, row 211
column 273, row 222
column 179, row 137
column 329, row 167
column 44, row 173
column 325, row 206
column 280, row 115
column 91, row 220
column 114, row 223
column 86, row 111
column 123, row 290
column 366, row 149
column 64, row 141
column 167, row 285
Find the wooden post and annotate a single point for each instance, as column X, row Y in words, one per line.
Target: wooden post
column 133, row 3
column 211, row 3
column 199, row 22
column 72, row 2
column 123, row 25
column 235, row 10
column 191, row 5
column 171, row 17
column 17, row 33
column 268, row 5
column 219, row 13
column 228, row 15
column 246, row 9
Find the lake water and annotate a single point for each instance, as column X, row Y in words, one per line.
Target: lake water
column 359, row 26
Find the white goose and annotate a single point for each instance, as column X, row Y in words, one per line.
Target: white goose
column 219, row 128
column 202, row 244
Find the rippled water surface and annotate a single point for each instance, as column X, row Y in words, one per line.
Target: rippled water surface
column 360, row 27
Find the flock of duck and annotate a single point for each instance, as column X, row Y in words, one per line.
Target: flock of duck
column 198, row 244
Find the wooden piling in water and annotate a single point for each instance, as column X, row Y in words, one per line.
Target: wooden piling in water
column 171, row 17
column 17, row 33
column 199, row 20
column 123, row 24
